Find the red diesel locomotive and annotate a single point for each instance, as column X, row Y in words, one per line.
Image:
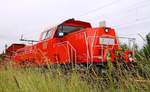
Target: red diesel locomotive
column 73, row 42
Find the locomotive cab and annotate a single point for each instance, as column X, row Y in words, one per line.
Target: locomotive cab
column 70, row 26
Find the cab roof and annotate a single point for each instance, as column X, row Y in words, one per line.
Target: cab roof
column 74, row 22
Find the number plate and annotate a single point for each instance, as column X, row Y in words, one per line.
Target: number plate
column 107, row 41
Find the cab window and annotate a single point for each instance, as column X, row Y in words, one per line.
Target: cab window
column 47, row 35
column 68, row 29
column 43, row 35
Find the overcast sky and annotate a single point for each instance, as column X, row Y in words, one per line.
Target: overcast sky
column 30, row 17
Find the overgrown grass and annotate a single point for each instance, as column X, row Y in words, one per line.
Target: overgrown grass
column 34, row 80
column 49, row 80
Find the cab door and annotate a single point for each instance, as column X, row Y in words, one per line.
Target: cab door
column 44, row 49
column 61, row 47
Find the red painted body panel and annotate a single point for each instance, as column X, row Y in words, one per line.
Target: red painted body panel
column 82, row 46
column 13, row 48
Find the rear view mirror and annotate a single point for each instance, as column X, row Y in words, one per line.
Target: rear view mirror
column 60, row 34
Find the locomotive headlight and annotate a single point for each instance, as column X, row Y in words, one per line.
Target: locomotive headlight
column 106, row 30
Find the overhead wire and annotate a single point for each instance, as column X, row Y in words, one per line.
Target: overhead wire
column 97, row 9
column 104, row 6
column 135, row 23
column 137, row 20
column 128, row 10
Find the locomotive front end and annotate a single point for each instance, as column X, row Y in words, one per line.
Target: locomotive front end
column 104, row 47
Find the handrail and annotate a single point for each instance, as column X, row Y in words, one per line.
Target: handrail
column 72, row 48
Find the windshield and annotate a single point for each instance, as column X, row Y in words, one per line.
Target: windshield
column 46, row 34
column 69, row 29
